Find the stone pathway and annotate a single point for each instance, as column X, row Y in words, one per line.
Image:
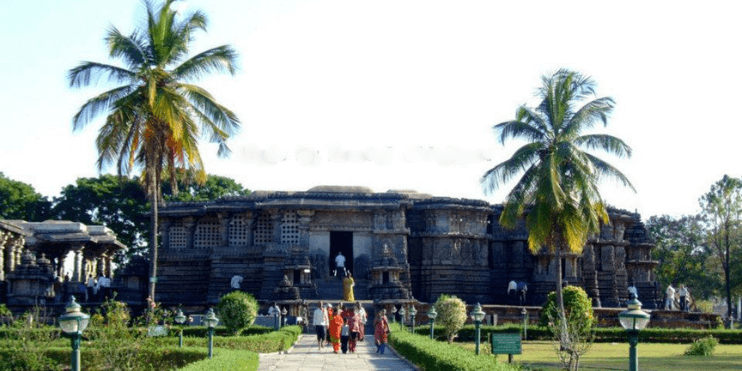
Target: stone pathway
column 306, row 357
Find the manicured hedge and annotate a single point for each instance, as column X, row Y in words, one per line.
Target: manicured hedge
column 440, row 356
column 201, row 331
column 602, row 334
column 90, row 358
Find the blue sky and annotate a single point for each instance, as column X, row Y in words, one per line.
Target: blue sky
column 400, row 94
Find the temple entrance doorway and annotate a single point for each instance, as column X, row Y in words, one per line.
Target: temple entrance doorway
column 341, row 242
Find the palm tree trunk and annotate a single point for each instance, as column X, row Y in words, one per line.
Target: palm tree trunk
column 564, row 337
column 153, row 247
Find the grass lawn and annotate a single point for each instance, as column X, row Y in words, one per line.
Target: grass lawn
column 540, row 355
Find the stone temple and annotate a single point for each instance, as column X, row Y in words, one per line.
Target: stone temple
column 400, row 246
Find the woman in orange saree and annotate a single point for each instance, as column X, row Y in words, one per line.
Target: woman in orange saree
column 336, row 325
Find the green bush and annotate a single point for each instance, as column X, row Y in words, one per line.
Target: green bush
column 237, row 310
column 451, row 315
column 429, row 354
column 702, row 347
column 577, row 308
column 266, row 343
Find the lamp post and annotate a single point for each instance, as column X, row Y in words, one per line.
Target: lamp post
column 283, row 317
column 413, row 312
column 432, row 314
column 524, row 312
column 394, row 313
column 73, row 323
column 180, row 318
column 210, row 321
column 275, row 312
column 477, row 315
column 634, row 319
column 401, row 316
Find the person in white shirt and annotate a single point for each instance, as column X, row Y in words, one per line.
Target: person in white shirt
column 320, row 324
column 340, row 264
column 669, row 297
column 236, row 281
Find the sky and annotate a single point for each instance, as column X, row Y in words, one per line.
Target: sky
column 399, row 94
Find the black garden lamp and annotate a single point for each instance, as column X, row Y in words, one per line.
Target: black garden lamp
column 633, row 320
column 210, row 321
column 477, row 315
column 401, row 316
column 413, row 312
column 283, row 317
column 394, row 313
column 180, row 319
column 431, row 315
column 73, row 323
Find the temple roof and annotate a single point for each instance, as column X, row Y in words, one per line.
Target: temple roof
column 63, row 231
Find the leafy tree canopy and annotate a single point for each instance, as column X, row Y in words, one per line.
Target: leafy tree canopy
column 19, row 200
column 684, row 255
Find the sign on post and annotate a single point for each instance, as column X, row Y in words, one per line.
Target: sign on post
column 506, row 343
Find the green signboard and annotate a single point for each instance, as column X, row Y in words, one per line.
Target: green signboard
column 506, row 343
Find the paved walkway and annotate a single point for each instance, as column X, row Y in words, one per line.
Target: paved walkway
column 306, row 357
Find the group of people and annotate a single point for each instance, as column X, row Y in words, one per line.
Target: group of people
column 97, row 289
column 342, row 327
column 683, row 298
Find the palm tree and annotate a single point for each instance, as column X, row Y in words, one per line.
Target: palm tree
column 155, row 116
column 558, row 191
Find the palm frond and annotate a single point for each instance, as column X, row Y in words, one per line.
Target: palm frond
column 605, row 169
column 218, row 59
column 130, row 48
column 95, row 106
column 87, row 72
column 521, row 160
column 606, row 143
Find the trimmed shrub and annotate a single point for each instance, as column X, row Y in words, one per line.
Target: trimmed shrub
column 451, row 315
column 702, row 347
column 577, row 308
column 237, row 310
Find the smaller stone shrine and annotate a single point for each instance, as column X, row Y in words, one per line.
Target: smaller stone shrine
column 33, row 256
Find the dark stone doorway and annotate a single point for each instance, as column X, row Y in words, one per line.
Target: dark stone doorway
column 341, row 242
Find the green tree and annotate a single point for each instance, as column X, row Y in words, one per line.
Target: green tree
column 155, row 117
column 118, row 203
column 558, row 191
column 213, row 188
column 684, row 254
column 722, row 211
column 19, row 200
column 451, row 315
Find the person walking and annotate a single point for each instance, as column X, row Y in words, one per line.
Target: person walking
column 363, row 317
column 669, row 297
column 345, row 335
column 340, row 264
column 320, row 325
column 336, row 324
column 381, row 331
column 354, row 324
column 682, row 294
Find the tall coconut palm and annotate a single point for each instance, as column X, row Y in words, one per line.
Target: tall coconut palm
column 155, row 115
column 558, row 189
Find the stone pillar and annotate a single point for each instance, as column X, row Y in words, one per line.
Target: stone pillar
column 305, row 216
column 109, row 266
column 77, row 271
column 85, row 268
column 249, row 225
column 102, row 265
column 3, row 238
column 165, row 232
column 276, row 219
column 190, row 226
column 224, row 220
